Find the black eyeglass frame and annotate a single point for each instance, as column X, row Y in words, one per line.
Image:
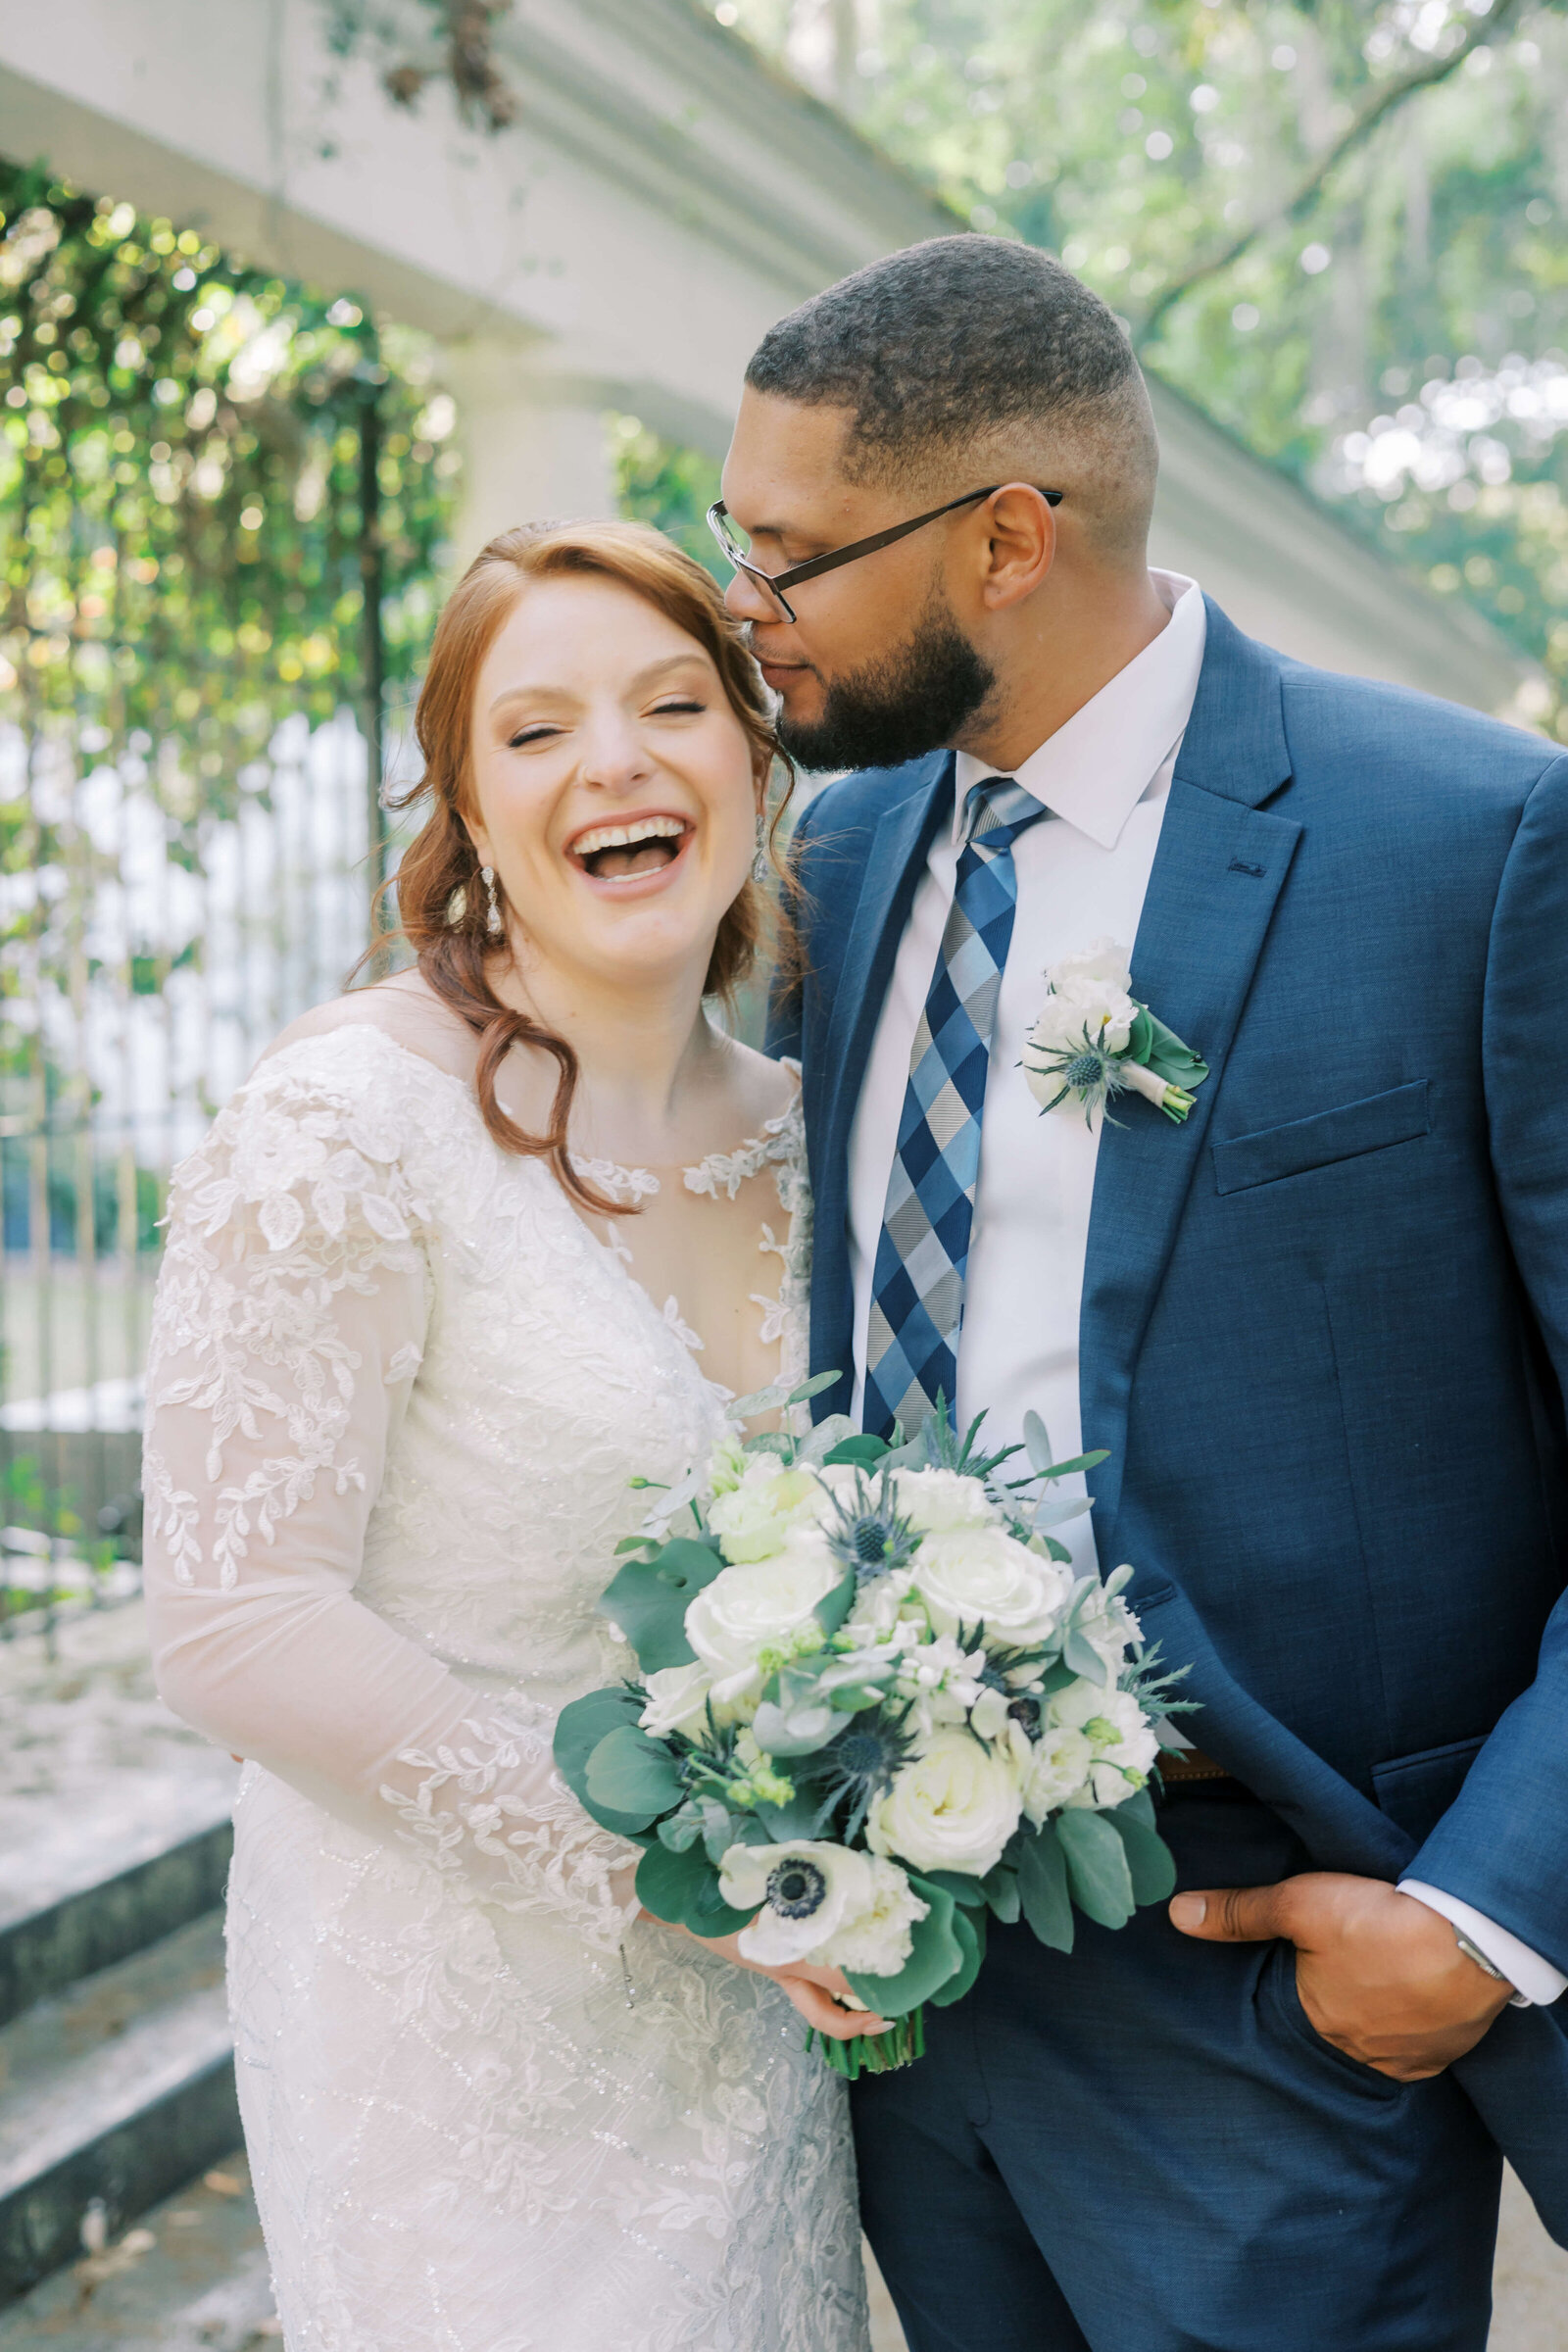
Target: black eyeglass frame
column 775, row 583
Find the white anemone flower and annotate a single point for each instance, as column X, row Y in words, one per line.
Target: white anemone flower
column 813, row 1898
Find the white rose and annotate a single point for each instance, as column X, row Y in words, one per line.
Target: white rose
column 974, row 1575
column 803, row 1893
column 1055, row 1769
column 752, row 1519
column 952, row 1808
column 1122, row 1740
column 876, row 1941
column 879, row 1607
column 755, row 1606
column 935, row 1500
column 677, row 1700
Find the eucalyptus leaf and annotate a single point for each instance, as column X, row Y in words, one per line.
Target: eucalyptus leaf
column 777, row 1394
column 935, row 1955
column 579, row 1727
column 858, row 1449
column 1043, row 1890
column 832, row 1609
column 1001, row 1889
column 1079, row 1461
column 683, row 1890
column 1097, row 1867
column 968, row 1893
column 797, row 1819
column 1150, row 1864
column 632, row 1775
column 970, row 1927
column 1140, row 1806
column 1036, row 1444
column 1080, row 1654
column 818, row 1448
column 649, row 1598
column 1056, row 1514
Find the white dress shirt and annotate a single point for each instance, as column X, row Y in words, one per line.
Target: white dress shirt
column 1082, row 876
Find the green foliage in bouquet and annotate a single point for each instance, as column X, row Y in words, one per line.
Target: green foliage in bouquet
column 874, row 1711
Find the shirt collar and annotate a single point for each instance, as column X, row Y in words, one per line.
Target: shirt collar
column 1094, row 770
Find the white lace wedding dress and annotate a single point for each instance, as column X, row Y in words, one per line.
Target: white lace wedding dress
column 397, row 1390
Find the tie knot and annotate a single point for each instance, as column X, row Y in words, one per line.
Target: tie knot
column 997, row 809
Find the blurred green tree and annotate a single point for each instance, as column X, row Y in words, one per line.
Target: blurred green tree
column 1337, row 227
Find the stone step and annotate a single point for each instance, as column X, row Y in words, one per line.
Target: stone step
column 110, row 1917
column 111, row 2092
column 192, row 2276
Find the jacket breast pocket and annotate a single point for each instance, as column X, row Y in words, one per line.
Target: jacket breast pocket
column 1371, row 1125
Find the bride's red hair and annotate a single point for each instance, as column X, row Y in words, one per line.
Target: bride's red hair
column 441, row 902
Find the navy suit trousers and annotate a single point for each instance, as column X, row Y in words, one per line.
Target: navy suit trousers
column 1145, row 2147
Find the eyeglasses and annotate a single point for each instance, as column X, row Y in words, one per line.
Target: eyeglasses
column 774, row 583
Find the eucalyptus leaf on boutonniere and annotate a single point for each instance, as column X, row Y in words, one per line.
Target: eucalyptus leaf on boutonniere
column 1094, row 1039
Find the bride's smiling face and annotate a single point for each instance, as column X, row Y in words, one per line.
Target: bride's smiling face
column 613, row 789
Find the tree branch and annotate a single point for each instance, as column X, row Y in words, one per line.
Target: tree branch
column 1383, row 103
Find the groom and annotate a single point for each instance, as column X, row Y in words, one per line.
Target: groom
column 1322, row 1328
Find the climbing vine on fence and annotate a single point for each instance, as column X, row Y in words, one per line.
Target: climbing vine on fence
column 209, row 476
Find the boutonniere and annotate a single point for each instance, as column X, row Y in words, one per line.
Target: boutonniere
column 1094, row 1039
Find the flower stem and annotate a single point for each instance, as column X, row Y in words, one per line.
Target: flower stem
column 873, row 2053
column 1174, row 1100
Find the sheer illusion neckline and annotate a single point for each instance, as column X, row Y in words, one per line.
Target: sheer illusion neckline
column 719, row 1172
column 724, row 1171
column 779, row 1145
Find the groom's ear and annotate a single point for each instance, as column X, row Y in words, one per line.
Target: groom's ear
column 1018, row 540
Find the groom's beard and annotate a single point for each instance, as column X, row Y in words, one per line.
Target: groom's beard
column 905, row 703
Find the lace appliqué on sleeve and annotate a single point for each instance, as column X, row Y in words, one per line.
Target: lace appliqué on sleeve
column 288, row 1333
column 545, row 1850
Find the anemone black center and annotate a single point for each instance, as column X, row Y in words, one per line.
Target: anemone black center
column 1026, row 1711
column 796, row 1890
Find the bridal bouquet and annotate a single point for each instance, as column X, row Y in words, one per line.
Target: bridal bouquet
column 875, row 1707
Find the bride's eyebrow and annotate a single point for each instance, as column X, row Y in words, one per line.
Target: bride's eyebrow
column 695, row 660
column 639, row 684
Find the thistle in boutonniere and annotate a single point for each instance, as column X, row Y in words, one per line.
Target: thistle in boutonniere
column 1094, row 1039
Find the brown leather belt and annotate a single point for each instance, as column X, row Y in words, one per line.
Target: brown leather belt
column 1179, row 1766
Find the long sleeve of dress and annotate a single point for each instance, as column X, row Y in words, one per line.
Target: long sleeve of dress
column 288, row 1334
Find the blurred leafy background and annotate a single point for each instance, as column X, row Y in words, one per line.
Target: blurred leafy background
column 1338, row 229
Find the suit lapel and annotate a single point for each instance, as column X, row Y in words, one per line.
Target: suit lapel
column 889, row 879
column 1217, row 874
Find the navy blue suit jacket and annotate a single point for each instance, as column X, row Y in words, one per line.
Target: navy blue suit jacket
column 1325, row 1323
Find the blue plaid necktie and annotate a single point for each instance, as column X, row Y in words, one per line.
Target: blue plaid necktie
column 918, row 1283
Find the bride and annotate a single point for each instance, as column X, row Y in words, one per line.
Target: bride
column 473, row 1248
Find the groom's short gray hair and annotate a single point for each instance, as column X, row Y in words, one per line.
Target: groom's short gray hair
column 965, row 342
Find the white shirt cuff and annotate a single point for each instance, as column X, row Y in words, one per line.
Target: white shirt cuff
column 1536, row 1983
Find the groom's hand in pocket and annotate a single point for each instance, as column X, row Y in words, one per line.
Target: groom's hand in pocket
column 1379, row 1976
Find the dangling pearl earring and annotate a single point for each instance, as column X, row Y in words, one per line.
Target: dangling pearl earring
column 493, row 923
column 762, row 868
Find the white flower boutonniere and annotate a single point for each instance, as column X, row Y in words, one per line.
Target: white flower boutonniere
column 1094, row 1039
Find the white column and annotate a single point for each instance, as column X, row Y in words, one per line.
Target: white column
column 535, row 445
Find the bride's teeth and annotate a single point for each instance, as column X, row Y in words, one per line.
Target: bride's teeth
column 622, row 837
